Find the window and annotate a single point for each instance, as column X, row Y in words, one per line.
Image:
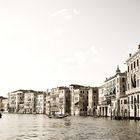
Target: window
column 94, row 91
column 125, row 101
column 131, row 99
column 137, row 98
column 134, row 65
column 123, row 79
column 123, row 88
column 137, row 62
column 131, row 66
column 128, row 68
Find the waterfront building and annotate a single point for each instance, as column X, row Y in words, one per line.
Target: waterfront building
column 26, row 101
column 58, row 101
column 133, row 84
column 30, row 101
column 124, row 113
column 109, row 94
column 3, row 104
column 16, row 101
column 79, row 99
column 48, row 104
column 92, row 101
column 64, row 100
column 40, row 102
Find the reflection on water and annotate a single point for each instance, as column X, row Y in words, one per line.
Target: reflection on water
column 40, row 127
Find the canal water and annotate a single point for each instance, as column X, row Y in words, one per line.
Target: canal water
column 40, row 127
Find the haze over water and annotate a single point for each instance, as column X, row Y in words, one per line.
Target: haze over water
column 40, row 127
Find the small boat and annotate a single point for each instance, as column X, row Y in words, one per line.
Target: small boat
column 59, row 116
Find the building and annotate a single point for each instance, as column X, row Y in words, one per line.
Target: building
column 124, row 114
column 64, row 100
column 48, row 104
column 30, row 101
column 3, row 104
column 92, row 101
column 109, row 94
column 16, row 101
column 79, row 99
column 27, row 101
column 58, row 101
column 133, row 84
column 40, row 102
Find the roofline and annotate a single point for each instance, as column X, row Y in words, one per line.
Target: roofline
column 26, row 91
column 110, row 78
column 138, row 51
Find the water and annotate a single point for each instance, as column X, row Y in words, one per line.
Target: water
column 40, row 127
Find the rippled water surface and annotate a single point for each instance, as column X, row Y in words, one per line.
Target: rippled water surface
column 40, row 127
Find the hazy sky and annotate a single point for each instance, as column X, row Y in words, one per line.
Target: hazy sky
column 50, row 43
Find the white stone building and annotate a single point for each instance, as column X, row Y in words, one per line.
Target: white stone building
column 109, row 94
column 124, row 107
column 16, row 101
column 40, row 102
column 133, row 84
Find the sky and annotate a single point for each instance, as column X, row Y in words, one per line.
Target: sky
column 50, row 43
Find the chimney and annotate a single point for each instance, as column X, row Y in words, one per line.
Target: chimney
column 129, row 54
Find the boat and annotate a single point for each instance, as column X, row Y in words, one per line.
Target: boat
column 59, row 116
column 54, row 114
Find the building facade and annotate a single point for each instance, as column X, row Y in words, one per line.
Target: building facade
column 133, row 84
column 15, row 100
column 109, row 94
column 48, row 104
column 27, row 101
column 40, row 105
column 92, row 101
column 124, row 113
column 58, row 101
column 3, row 104
column 79, row 99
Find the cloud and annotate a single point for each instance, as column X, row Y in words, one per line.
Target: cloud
column 90, row 56
column 60, row 12
column 68, row 14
